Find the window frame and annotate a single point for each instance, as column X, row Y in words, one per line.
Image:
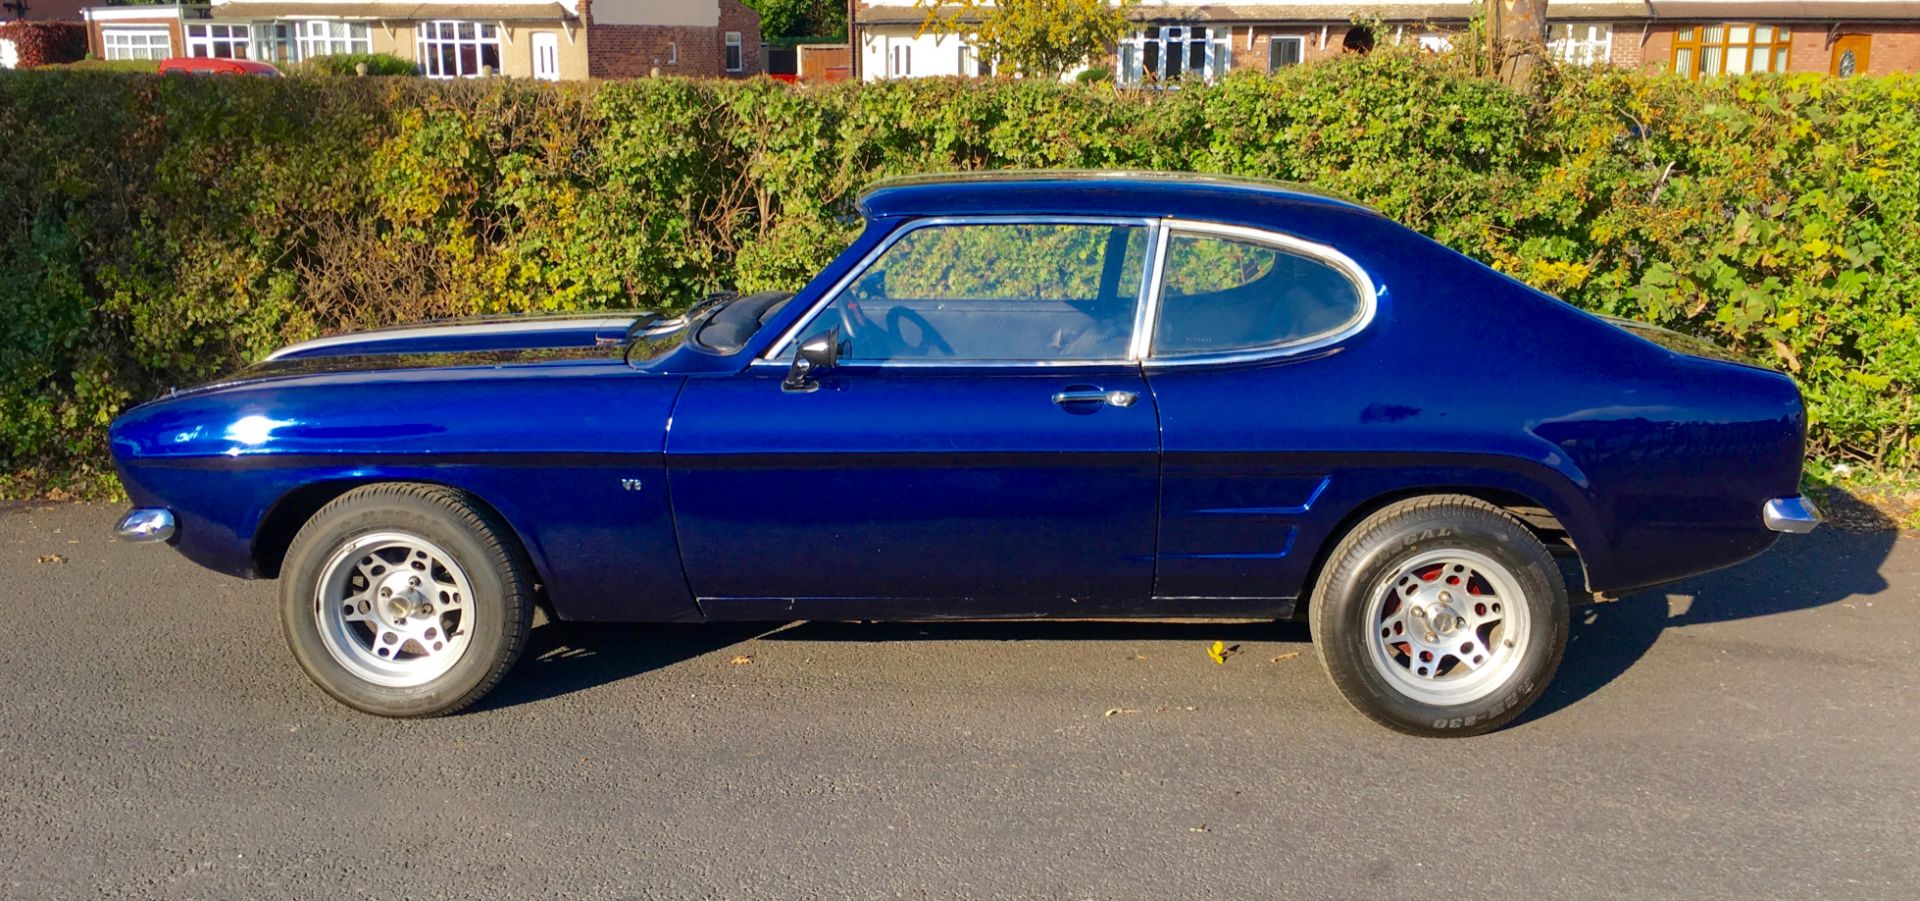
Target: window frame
column 1320, row 253
column 1595, row 49
column 1696, row 42
column 1216, row 42
column 733, row 45
column 206, row 41
column 972, row 64
column 1300, row 58
column 1146, row 319
column 146, row 34
column 427, row 63
column 315, row 38
column 1148, row 274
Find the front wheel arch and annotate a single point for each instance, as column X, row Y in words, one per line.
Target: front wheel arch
column 285, row 517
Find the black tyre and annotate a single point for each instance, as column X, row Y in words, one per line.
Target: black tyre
column 1440, row 616
column 405, row 599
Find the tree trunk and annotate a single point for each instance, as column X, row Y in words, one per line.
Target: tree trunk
column 1516, row 33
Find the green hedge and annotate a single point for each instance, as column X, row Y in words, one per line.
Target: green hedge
column 157, row 232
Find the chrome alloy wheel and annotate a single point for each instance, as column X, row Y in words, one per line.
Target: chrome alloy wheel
column 1449, row 628
column 394, row 609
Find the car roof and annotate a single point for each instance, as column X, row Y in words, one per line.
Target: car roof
column 209, row 62
column 1063, row 191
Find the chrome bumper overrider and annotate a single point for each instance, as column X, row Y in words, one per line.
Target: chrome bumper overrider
column 1793, row 514
column 143, row 524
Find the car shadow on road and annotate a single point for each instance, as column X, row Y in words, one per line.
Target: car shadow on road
column 1604, row 640
column 1800, row 572
column 562, row 658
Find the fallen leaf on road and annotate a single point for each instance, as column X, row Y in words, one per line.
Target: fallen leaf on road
column 740, row 660
column 1221, row 651
column 1121, row 711
column 52, row 558
column 59, row 496
column 1287, row 656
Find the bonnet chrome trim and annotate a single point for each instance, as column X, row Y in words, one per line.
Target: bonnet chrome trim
column 561, row 324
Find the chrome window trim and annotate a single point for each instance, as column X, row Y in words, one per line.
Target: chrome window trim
column 1362, row 282
column 1148, row 311
column 792, row 334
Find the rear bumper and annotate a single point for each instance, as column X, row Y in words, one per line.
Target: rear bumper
column 1794, row 514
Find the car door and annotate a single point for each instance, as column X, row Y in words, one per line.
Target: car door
column 985, row 444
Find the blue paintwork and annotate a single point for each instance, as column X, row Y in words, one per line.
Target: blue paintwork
column 951, row 492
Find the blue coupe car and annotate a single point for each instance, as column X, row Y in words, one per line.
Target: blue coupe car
column 1015, row 395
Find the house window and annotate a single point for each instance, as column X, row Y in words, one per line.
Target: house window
column 1730, row 48
column 274, row 42
column 325, row 37
column 458, row 49
column 900, row 62
column 735, row 59
column 1285, row 51
column 1436, row 43
column 218, row 41
column 136, row 43
column 673, row 53
column 971, row 63
column 1580, row 43
column 1168, row 54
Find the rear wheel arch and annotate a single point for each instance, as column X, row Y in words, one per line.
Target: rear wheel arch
column 1537, row 516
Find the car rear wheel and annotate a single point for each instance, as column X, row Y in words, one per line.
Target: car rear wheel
column 405, row 599
column 1440, row 615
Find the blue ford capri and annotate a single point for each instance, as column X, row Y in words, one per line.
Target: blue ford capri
column 1015, row 395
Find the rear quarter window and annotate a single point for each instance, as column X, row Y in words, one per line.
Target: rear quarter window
column 1225, row 294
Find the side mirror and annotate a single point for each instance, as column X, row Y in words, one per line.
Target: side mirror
column 817, row 354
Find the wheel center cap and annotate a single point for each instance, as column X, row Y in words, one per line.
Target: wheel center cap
column 400, row 596
column 1445, row 620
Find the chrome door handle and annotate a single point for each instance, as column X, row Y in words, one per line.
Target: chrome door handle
column 1114, row 398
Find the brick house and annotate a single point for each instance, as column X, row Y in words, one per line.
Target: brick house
column 1179, row 39
column 546, row 39
column 44, row 12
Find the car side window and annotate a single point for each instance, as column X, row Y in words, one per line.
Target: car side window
column 1004, row 292
column 1224, row 294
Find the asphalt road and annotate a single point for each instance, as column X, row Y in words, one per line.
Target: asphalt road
column 1747, row 734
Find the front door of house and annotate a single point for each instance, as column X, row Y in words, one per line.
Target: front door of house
column 546, row 56
column 1850, row 55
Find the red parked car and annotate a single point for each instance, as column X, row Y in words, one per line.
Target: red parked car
column 198, row 65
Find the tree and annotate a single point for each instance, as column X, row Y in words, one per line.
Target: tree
column 1033, row 38
column 1516, row 31
column 800, row 18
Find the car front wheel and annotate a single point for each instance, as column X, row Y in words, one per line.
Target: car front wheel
column 1440, row 615
column 405, row 599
